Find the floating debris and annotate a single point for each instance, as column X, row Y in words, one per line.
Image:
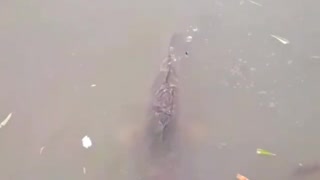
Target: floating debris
column 280, row 39
column 265, row 152
column 188, row 38
column 93, row 85
column 195, row 29
column 290, row 62
column 241, row 177
column 84, row 170
column 300, row 164
column 255, row 3
column 41, row 149
column 86, row 142
column 6, row 120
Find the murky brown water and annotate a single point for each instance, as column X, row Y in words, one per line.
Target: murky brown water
column 75, row 68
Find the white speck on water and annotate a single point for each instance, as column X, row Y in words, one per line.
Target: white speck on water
column 86, row 142
column 73, row 54
column 195, row 29
column 255, row 3
column 188, row 38
column 267, row 64
column 241, row 2
column 6, row 120
column 280, row 39
column 290, row 62
column 84, row 170
column 41, row 149
column 272, row 104
column 300, row 164
column 249, row 34
column 262, row 92
column 93, row 85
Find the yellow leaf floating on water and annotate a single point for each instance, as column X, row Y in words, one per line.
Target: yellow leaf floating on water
column 265, row 152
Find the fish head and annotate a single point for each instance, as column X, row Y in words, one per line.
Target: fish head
column 179, row 46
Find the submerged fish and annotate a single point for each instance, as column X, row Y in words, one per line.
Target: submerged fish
column 157, row 143
column 161, row 137
column 164, row 104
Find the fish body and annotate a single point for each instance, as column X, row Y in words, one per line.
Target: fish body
column 164, row 107
column 161, row 137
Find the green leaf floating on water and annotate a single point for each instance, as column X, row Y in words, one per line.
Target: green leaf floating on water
column 265, row 152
